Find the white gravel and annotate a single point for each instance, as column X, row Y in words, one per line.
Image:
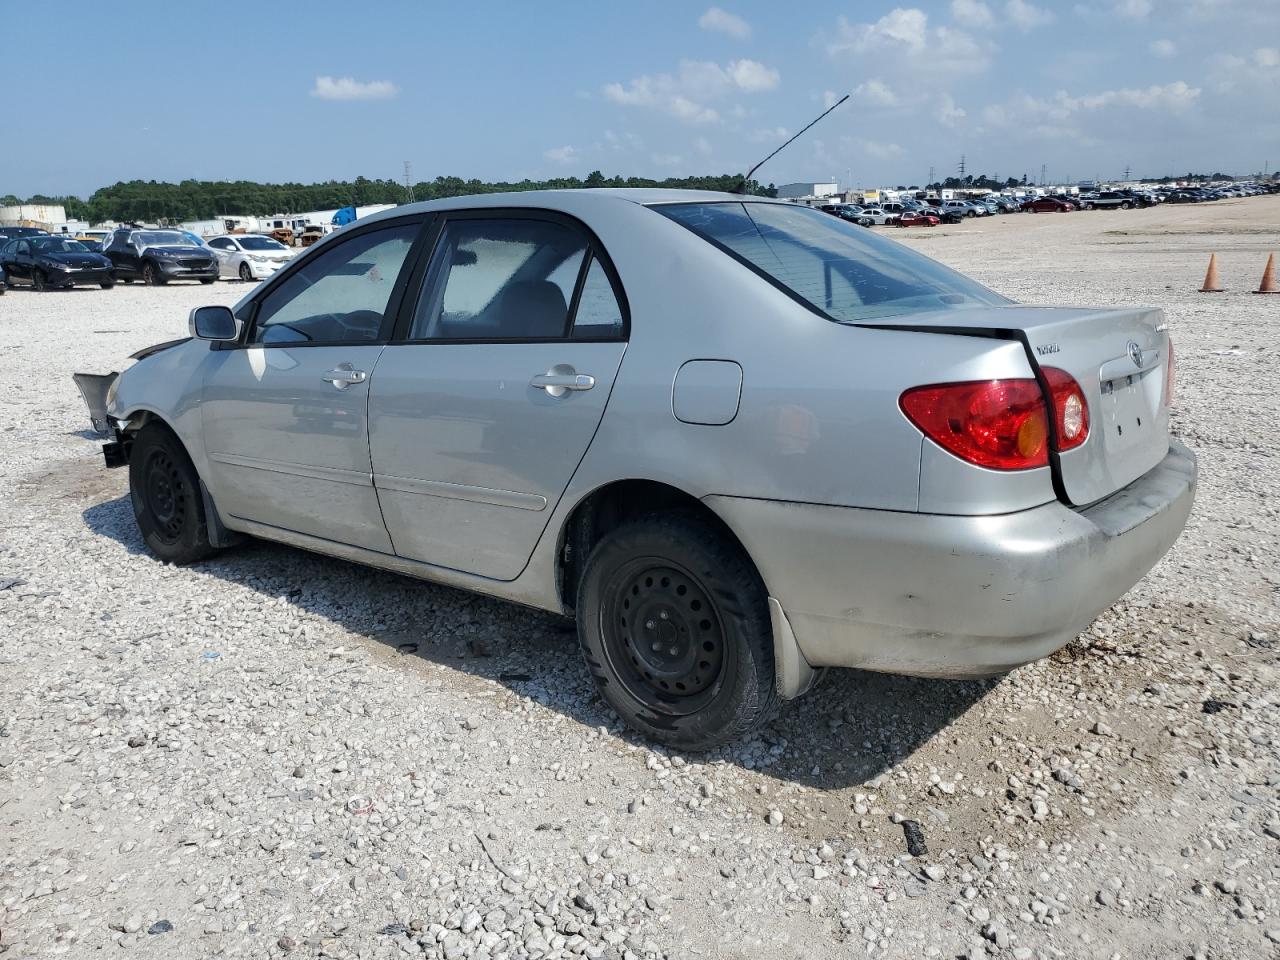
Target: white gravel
column 277, row 754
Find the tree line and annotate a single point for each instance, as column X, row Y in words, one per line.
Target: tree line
column 159, row 202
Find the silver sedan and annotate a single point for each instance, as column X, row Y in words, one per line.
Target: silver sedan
column 739, row 440
column 248, row 256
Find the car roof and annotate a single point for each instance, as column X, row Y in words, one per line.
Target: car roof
column 558, row 199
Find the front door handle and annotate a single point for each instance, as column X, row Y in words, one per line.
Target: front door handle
column 343, row 376
column 561, row 379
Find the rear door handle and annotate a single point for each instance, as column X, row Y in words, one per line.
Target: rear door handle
column 343, row 376
column 561, row 379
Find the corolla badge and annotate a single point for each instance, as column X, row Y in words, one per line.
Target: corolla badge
column 1135, row 354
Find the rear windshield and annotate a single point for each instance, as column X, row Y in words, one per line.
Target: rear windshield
column 843, row 271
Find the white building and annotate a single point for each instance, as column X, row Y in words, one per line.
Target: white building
column 33, row 215
column 795, row 191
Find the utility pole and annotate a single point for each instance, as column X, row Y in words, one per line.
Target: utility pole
column 408, row 182
column 930, row 180
column 961, row 166
column 1126, row 173
column 1043, row 173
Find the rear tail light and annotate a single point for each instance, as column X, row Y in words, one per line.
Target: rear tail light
column 1070, row 412
column 1168, row 377
column 1000, row 424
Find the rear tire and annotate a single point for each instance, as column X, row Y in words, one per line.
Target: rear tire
column 207, row 280
column 107, row 284
column 674, row 624
column 167, row 503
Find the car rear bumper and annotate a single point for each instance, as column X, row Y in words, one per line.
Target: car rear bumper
column 952, row 596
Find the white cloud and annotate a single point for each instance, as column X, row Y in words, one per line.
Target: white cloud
column 881, row 150
column 667, row 159
column 948, row 113
column 971, row 13
column 348, row 88
column 702, row 146
column 874, row 93
column 1258, row 72
column 1133, row 9
column 1026, row 16
column 565, row 154
column 768, row 134
column 902, row 42
column 1063, row 114
column 750, row 76
column 684, row 94
column 721, row 21
column 1163, row 48
column 1266, row 57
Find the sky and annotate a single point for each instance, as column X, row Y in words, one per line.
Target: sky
column 303, row 92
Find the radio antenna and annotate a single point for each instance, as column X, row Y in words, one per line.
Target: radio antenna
column 742, row 185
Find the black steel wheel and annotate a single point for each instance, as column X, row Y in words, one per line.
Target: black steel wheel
column 166, row 496
column 663, row 635
column 674, row 625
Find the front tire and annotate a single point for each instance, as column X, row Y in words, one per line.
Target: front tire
column 165, row 491
column 151, row 275
column 107, row 284
column 245, row 273
column 674, row 624
column 39, row 281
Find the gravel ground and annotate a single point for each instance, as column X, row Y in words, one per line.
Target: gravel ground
column 276, row 754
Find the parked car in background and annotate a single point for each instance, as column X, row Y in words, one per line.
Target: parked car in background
column 93, row 239
column 12, row 233
column 965, row 208
column 54, row 263
column 1108, row 200
column 3, row 277
column 157, row 256
column 248, row 256
column 879, row 216
column 917, row 218
column 482, row 391
column 1047, row 205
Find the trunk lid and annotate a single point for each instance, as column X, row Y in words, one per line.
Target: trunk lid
column 1120, row 359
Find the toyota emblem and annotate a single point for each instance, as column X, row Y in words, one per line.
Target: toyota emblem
column 1135, row 354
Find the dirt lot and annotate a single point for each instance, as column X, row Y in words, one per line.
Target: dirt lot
column 276, row 754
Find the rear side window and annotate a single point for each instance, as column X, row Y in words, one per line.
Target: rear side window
column 500, row 279
column 599, row 314
column 840, row 270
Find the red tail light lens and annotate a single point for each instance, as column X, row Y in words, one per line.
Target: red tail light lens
column 1168, row 377
column 1000, row 424
column 1071, row 413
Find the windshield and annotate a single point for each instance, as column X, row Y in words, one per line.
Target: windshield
column 162, row 238
column 58, row 245
column 842, row 271
column 261, row 243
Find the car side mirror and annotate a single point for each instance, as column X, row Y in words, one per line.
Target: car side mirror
column 213, row 323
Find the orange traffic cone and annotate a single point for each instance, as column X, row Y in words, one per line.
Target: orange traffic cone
column 1268, row 284
column 1211, row 282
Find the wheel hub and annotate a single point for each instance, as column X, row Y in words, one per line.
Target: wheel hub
column 164, row 494
column 664, row 633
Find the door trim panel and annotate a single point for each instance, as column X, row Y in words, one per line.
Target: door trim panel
column 461, row 491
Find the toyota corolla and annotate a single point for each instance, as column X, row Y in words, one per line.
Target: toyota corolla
column 739, row 440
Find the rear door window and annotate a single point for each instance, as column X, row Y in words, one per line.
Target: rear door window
column 500, row 279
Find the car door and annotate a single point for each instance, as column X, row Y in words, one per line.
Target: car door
column 284, row 411
column 18, row 259
column 122, row 253
column 224, row 249
column 485, row 404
